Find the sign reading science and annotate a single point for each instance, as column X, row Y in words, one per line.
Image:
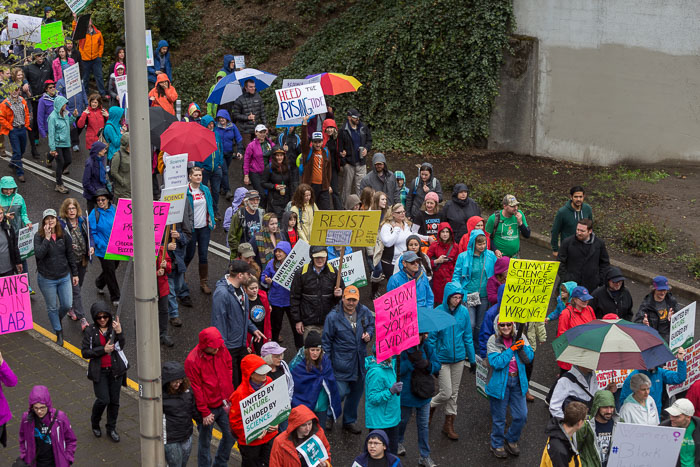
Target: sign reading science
column 345, row 228
column 121, row 240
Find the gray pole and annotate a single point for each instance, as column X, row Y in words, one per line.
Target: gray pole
column 145, row 291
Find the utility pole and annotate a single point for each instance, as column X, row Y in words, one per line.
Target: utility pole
column 145, row 290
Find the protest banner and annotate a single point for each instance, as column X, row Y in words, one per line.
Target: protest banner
column 239, row 62
column 177, row 197
column 482, row 374
column 25, row 241
column 268, row 406
column 290, row 83
column 51, row 35
column 299, row 101
column 345, row 228
column 294, row 260
column 353, row 270
column 313, row 451
column 528, row 289
column 149, row 49
column 76, row 6
column 635, row 445
column 15, row 304
column 397, row 321
column 24, row 28
column 71, row 76
column 121, row 240
column 175, row 173
column 682, row 328
column 606, row 377
column 121, row 83
column 692, row 360
column 81, row 27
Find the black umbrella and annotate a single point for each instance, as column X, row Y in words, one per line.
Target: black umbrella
column 160, row 121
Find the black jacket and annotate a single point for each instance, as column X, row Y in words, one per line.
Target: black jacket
column 11, row 244
column 93, row 349
column 270, row 178
column 312, row 296
column 585, row 263
column 457, row 212
column 352, row 157
column 245, row 105
column 178, row 409
column 696, row 440
column 558, row 449
column 604, row 303
column 647, row 307
column 54, row 258
column 36, row 75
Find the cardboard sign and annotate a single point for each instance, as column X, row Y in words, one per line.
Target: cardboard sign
column 175, row 173
column 24, row 28
column 353, row 269
column 76, row 6
column 71, row 76
column 239, row 61
column 15, row 305
column 290, row 83
column 482, row 375
column 25, row 241
column 81, row 28
column 299, row 101
column 269, row 406
column 345, row 228
column 397, row 321
column 149, row 49
column 121, row 82
column 296, row 258
column 528, row 289
column 682, row 328
column 606, row 377
column 313, row 451
column 692, row 360
column 177, row 197
column 645, row 445
column 121, row 240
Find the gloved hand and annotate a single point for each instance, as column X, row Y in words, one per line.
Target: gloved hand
column 472, row 367
column 517, row 345
column 396, row 387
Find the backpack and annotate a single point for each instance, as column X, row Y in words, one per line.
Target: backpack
column 570, row 399
column 433, row 182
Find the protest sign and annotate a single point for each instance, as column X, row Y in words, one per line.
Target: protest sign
column 353, row 269
column 528, row 289
column 692, row 360
column 51, row 35
column 397, row 321
column 175, row 173
column 121, row 83
column 239, row 62
column 299, row 101
column 269, row 406
column 25, row 241
column 24, row 28
column 76, row 6
column 121, row 240
column 71, row 76
column 294, row 260
column 149, row 49
column 635, row 445
column 177, row 197
column 682, row 328
column 345, row 228
column 290, row 83
column 81, row 27
column 482, row 374
column 606, row 377
column 313, row 451
column 15, row 305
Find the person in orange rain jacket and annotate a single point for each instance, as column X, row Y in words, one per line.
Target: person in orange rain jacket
column 163, row 94
column 303, row 424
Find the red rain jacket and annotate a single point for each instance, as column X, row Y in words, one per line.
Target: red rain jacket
column 442, row 273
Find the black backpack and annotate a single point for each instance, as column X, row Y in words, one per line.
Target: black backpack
column 570, row 398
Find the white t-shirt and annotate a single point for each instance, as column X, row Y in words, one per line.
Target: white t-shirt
column 200, row 207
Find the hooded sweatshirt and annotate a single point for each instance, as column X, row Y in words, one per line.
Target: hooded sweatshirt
column 486, row 329
column 391, row 460
column 59, row 125
column 120, row 170
column 454, row 343
column 457, row 212
column 559, row 450
column 178, row 409
column 278, row 295
column 231, row 139
column 9, row 379
column 284, row 449
column 565, row 222
column 442, row 273
column 211, row 107
column 160, row 63
column 95, row 173
column 216, row 158
column 606, row 301
column 382, row 408
column 13, row 203
column 386, row 182
column 593, row 448
column 227, row 63
column 45, row 107
column 473, row 272
column 235, row 204
column 191, row 109
column 167, row 99
column 403, row 191
column 570, row 318
column 570, row 286
column 424, row 293
column 113, row 130
column 493, row 283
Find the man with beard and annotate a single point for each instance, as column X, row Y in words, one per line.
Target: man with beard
column 583, row 257
column 594, row 438
column 567, row 217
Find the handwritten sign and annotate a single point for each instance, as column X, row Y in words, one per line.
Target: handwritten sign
column 121, row 240
column 692, row 360
column 607, row 377
column 397, row 321
column 290, row 83
column 24, row 28
column 76, row 6
column 682, row 328
column 269, row 406
column 175, row 173
column 149, row 49
column 645, row 445
column 25, row 241
column 313, row 451
column 15, row 305
column 528, row 289
column 177, row 197
column 71, row 76
column 296, row 258
column 51, row 35
column 239, row 61
column 482, row 375
column 122, row 87
column 299, row 101
column 353, row 269
column 357, row 228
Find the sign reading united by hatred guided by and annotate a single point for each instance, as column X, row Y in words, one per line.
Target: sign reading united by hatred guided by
column 345, row 228
column 527, row 291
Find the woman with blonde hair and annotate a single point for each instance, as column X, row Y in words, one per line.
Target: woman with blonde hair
column 379, row 203
column 393, row 233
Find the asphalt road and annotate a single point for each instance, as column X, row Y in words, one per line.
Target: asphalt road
column 473, row 420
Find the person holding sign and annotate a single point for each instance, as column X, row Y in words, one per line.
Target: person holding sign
column 200, row 200
column 61, row 62
column 303, row 426
column 383, row 399
column 410, row 269
column 10, row 262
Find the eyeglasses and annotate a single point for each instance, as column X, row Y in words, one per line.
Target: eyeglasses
column 504, row 325
column 101, row 317
column 101, row 200
column 40, row 408
column 72, row 208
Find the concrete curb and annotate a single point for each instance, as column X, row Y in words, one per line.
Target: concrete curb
column 632, row 272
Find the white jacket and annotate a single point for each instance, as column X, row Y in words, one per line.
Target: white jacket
column 634, row 412
column 565, row 388
column 396, row 237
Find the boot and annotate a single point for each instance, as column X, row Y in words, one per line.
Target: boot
column 59, row 338
column 204, row 278
column 449, row 427
column 432, row 412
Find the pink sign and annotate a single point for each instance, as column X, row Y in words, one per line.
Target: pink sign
column 121, row 240
column 15, row 305
column 397, row 321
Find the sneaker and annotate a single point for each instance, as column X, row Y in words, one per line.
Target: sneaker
column 512, row 449
column 401, row 451
column 83, row 324
column 426, row 462
column 66, row 172
column 61, row 189
column 177, row 322
column 377, row 279
column 186, row 301
column 76, row 148
column 499, row 452
column 72, row 315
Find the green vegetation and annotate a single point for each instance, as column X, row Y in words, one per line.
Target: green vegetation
column 642, row 237
column 626, row 173
column 489, row 195
column 259, row 43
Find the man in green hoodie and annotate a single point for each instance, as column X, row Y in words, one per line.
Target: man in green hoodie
column 212, row 108
column 594, row 438
column 568, row 216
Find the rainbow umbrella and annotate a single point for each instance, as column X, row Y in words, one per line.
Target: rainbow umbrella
column 612, row 344
column 335, row 83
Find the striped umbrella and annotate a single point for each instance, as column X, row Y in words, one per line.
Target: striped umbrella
column 333, row 84
column 612, row 344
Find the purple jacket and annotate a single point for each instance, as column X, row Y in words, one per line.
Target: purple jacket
column 44, row 110
column 253, row 158
column 8, row 378
column 63, row 439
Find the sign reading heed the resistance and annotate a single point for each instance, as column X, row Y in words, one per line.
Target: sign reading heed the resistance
column 15, row 305
column 268, row 406
column 397, row 321
column 121, row 240
column 345, row 228
column 528, row 289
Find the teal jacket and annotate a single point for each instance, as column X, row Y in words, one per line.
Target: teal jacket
column 13, row 203
column 382, row 408
column 565, row 222
column 455, row 343
column 113, row 130
column 59, row 126
column 211, row 222
column 216, row 158
column 463, row 268
column 499, row 360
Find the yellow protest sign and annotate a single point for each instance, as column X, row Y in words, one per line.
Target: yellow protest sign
column 527, row 291
column 345, row 228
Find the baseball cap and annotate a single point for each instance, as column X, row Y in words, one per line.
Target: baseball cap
column 510, row 200
column 317, row 136
column 318, row 252
column 251, row 194
column 246, row 250
column 49, row 212
column 351, row 292
column 263, row 369
column 271, row 348
column 661, row 283
column 354, row 113
column 681, row 407
column 49, row 81
column 409, row 256
column 581, row 293
column 260, row 127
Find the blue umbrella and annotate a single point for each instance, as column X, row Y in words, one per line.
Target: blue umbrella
column 430, row 320
column 230, row 86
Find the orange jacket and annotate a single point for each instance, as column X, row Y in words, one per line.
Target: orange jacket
column 92, row 46
column 284, row 452
column 168, row 100
column 7, row 116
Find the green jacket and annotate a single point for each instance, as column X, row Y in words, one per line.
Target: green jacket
column 212, row 108
column 382, row 408
column 59, row 126
column 566, row 220
column 14, row 204
column 588, row 448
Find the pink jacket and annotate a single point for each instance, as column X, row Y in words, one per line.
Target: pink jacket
column 253, row 158
column 57, row 70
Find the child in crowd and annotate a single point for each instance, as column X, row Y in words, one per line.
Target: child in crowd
column 288, row 228
column 259, row 313
column 563, row 300
column 401, row 183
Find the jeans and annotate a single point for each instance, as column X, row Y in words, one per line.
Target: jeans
column 177, row 454
column 448, row 380
column 178, row 289
column 476, row 316
column 58, row 295
column 518, row 411
column 63, row 160
column 351, row 391
column 18, row 141
column 201, row 237
column 422, row 417
column 225, row 445
column 93, row 67
column 107, row 391
column 214, row 186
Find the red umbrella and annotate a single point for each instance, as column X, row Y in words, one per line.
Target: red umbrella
column 188, row 137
